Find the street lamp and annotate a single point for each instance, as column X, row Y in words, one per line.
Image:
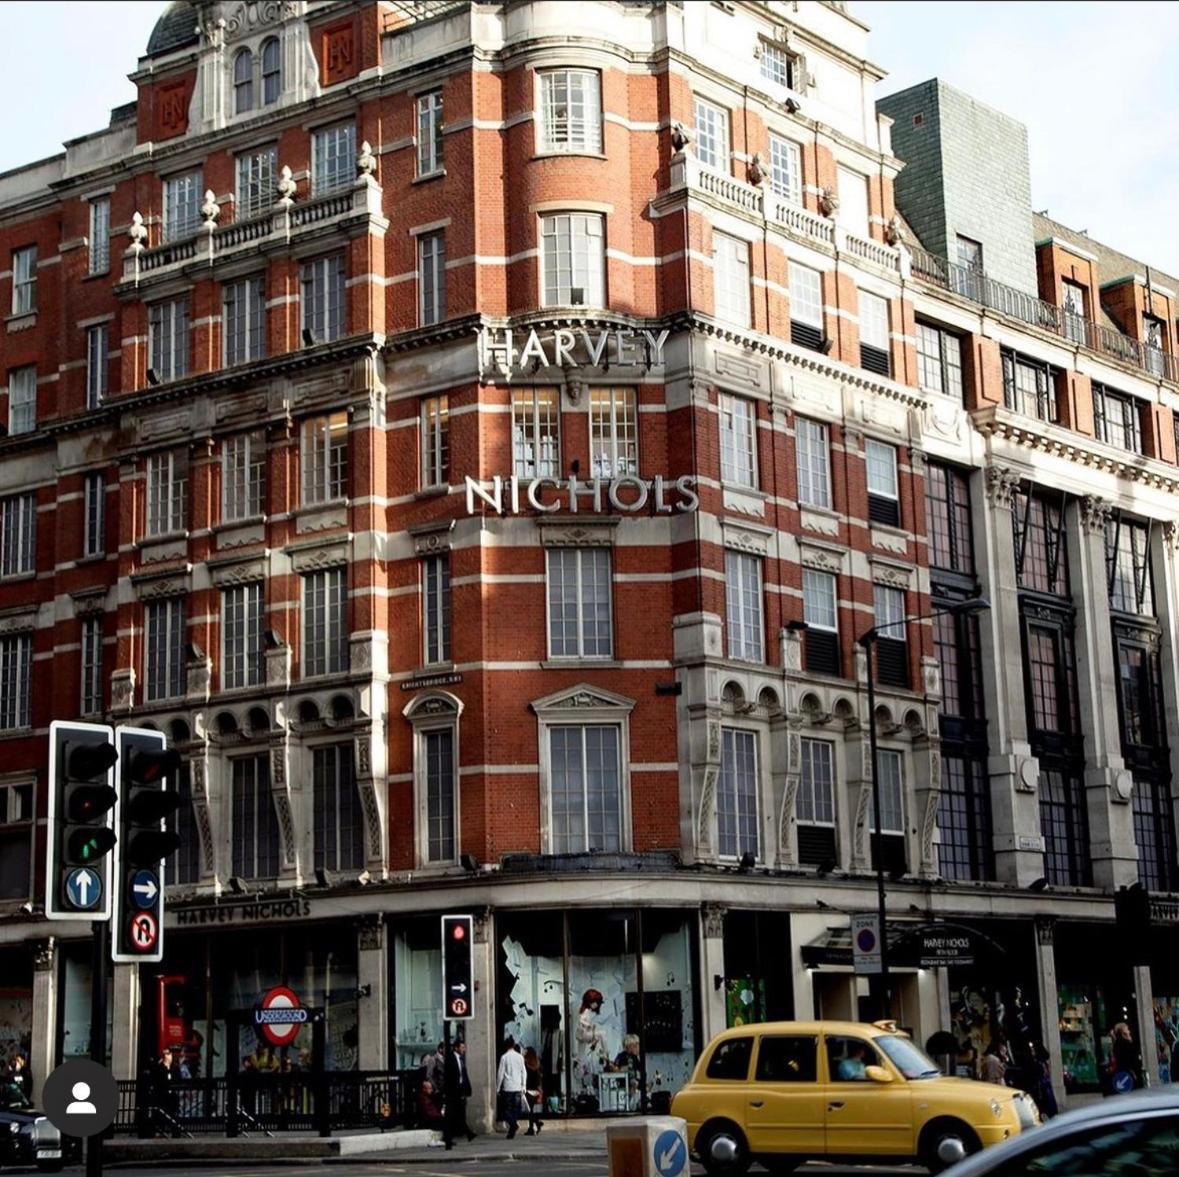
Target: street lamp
column 868, row 641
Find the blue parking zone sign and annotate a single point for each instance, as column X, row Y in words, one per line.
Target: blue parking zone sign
column 671, row 1153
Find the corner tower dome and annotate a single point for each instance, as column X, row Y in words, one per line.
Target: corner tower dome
column 176, row 28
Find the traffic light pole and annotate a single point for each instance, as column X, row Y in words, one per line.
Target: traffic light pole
column 449, row 1092
column 99, row 998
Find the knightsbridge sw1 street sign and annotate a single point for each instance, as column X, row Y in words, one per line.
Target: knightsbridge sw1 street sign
column 659, row 495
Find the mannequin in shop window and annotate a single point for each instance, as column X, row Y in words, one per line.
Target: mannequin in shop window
column 591, row 1043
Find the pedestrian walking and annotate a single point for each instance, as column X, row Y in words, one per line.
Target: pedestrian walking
column 511, row 1078
column 17, row 1072
column 434, row 1072
column 994, row 1065
column 533, row 1091
column 161, row 1109
column 1125, row 1068
column 1040, row 1076
column 458, row 1091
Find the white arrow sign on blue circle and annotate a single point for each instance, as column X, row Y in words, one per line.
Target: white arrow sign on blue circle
column 83, row 888
column 671, row 1154
column 144, row 889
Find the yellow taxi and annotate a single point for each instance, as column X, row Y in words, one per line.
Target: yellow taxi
column 782, row 1093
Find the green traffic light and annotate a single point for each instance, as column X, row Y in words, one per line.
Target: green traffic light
column 84, row 847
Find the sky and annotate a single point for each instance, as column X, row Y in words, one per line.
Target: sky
column 1093, row 82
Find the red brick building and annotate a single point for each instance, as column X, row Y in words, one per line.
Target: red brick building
column 477, row 436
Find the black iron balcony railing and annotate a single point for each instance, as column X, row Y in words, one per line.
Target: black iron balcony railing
column 976, row 286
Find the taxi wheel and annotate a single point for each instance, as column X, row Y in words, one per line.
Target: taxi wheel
column 722, row 1150
column 945, row 1142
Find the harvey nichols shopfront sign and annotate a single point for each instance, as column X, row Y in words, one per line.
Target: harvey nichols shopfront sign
column 567, row 348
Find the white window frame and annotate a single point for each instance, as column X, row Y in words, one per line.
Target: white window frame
column 334, row 791
column 324, row 298
column 737, row 416
column 730, row 278
column 22, row 399
column 435, row 426
column 888, row 610
column 97, row 364
column 874, row 326
column 820, row 600
column 589, row 572
column 91, row 699
column 333, row 156
column 325, row 605
column 585, row 845
column 168, row 342
column 806, row 296
column 744, row 607
column 812, row 451
column 848, row 212
column 256, row 173
column 614, row 431
column 431, row 714
column 270, row 59
column 324, row 459
column 165, row 633
column 712, row 134
column 24, row 280
column 243, row 320
column 436, row 611
column 167, row 493
column 430, row 150
column 94, row 514
column 563, row 92
column 243, row 477
column 183, row 196
column 98, row 260
column 243, row 81
column 431, row 278
column 880, row 468
column 786, row 168
column 891, row 782
column 18, row 534
column 729, row 781
column 570, row 261
column 16, row 671
column 536, row 432
column 816, row 797
column 242, row 610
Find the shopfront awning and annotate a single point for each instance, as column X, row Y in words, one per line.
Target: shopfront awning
column 911, row 944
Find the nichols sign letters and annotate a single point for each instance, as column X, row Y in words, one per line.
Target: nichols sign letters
column 660, row 495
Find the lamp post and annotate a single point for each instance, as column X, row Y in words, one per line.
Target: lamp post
column 868, row 641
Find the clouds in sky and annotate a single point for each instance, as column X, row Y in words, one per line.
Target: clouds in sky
column 1093, row 82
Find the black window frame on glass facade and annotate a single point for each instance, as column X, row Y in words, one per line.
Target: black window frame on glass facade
column 1047, row 615
column 1137, row 640
column 1044, row 376
column 947, row 363
column 965, row 823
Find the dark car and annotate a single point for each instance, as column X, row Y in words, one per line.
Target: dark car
column 26, row 1136
column 1125, row 1136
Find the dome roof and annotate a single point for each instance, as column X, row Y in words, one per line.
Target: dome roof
column 176, row 28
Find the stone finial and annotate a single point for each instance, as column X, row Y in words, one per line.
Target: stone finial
column 366, row 162
column 210, row 210
column 681, row 137
column 757, row 170
column 137, row 232
column 895, row 233
column 828, row 202
column 286, row 187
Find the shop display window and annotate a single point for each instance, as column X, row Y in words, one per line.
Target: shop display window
column 606, row 999
column 417, row 1013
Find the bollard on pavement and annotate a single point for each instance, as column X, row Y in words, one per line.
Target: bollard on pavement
column 654, row 1146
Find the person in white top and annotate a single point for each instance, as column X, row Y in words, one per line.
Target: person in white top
column 510, row 1080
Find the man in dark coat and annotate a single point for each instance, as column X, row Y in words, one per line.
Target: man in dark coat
column 458, row 1091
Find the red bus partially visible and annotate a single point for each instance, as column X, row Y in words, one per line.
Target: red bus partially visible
column 174, row 1028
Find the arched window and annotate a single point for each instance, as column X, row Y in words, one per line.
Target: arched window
column 271, row 71
column 243, row 82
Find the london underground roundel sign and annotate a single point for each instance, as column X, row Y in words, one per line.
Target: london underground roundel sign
column 279, row 1016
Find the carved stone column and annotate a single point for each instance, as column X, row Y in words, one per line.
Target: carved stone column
column 712, row 969
column 1049, row 1000
column 1014, row 773
column 372, row 1003
column 280, row 786
column 479, row 1032
column 1165, row 566
column 43, row 1054
column 1109, row 787
column 125, row 1019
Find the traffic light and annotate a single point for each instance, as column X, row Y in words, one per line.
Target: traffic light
column 147, row 797
column 81, row 836
column 458, row 975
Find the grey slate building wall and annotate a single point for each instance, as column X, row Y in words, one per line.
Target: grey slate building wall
column 966, row 172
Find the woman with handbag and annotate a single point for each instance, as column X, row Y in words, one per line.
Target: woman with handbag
column 533, row 1091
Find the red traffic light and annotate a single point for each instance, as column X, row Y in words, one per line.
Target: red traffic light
column 85, row 803
column 146, row 766
column 458, row 931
